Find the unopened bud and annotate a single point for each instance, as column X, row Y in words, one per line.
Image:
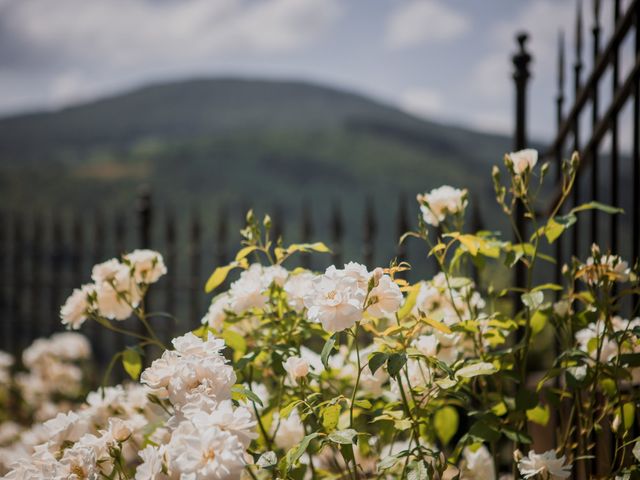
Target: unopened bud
column 377, row 274
column 120, row 431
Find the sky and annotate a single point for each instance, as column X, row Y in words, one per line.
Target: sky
column 445, row 60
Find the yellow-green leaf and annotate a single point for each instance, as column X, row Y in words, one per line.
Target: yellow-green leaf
column 538, row 322
column 286, row 411
column 445, row 422
column 437, row 325
column 330, row 416
column 245, row 251
column 218, row 276
column 235, row 341
column 410, row 301
column 132, row 363
column 308, row 247
column 539, row 414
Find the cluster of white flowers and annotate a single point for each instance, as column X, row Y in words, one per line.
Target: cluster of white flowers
column 207, row 436
column 53, row 381
column 197, row 433
column 451, row 301
column 336, row 299
column 83, row 443
column 249, row 292
column 340, row 297
column 53, row 371
column 604, row 343
column 441, row 202
column 117, row 289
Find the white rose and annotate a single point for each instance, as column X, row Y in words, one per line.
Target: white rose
column 148, row 266
column 74, row 311
column 544, row 465
column 296, row 367
column 336, row 298
column 524, row 160
column 385, row 298
column 440, row 202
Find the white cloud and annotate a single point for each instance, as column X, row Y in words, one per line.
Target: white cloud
column 85, row 48
column 422, row 101
column 419, row 22
column 127, row 33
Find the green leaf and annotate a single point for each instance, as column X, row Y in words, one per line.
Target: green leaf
column 418, row 471
column 267, row 460
column 628, row 415
column 630, row 359
column 445, row 422
column 547, row 286
column 344, row 437
column 538, row 322
column 539, row 414
column 390, row 461
column 366, row 404
column 286, row 411
column 376, row 360
column 520, row 437
column 330, row 416
column 475, row 369
column 295, row 453
column 597, row 206
column 484, row 432
column 132, row 363
column 239, row 392
column 236, row 341
column 395, row 363
column 557, row 225
column 326, row 350
column 218, row 276
column 532, row 300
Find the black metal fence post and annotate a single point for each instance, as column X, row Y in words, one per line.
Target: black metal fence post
column 521, row 76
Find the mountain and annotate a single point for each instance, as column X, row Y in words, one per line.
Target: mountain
column 213, row 142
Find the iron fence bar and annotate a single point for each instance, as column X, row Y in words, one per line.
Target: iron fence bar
column 622, row 94
column 635, row 248
column 521, row 77
column 606, row 55
column 558, row 159
column 615, row 164
column 577, row 70
column 594, row 121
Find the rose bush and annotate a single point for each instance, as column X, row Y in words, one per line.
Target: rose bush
column 356, row 373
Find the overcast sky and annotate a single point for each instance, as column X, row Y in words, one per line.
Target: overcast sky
column 446, row 60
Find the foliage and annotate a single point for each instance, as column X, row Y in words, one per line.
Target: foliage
column 354, row 373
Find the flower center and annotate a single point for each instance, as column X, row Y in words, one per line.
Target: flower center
column 78, row 471
column 332, row 294
column 209, row 455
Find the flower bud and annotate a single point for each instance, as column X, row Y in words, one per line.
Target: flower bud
column 296, row 367
column 119, row 430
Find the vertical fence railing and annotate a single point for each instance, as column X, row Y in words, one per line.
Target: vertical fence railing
column 44, row 256
column 617, row 173
column 607, row 172
column 521, row 77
